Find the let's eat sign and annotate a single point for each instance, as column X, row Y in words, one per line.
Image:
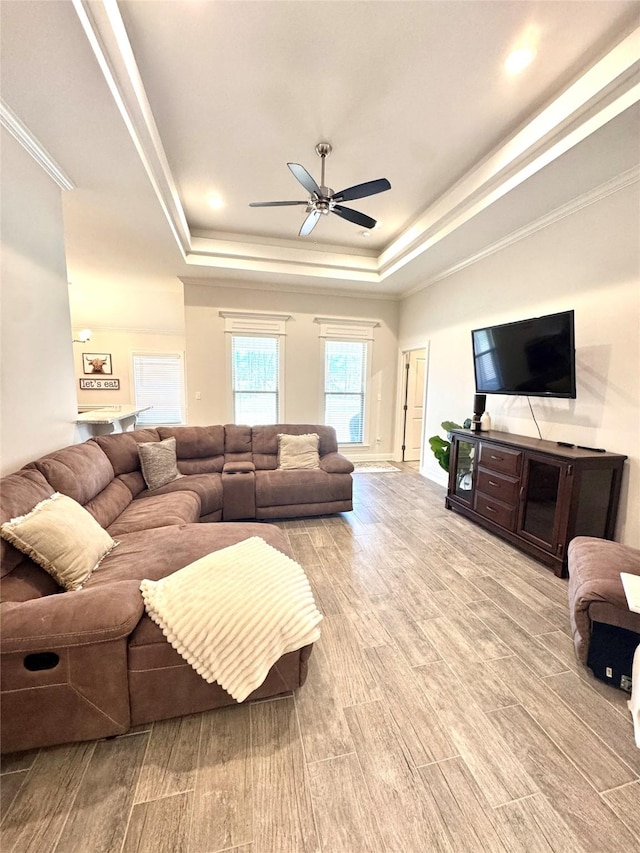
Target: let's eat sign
column 99, row 384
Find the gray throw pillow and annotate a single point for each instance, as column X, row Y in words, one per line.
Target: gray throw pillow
column 159, row 463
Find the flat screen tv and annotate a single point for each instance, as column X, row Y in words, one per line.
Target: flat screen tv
column 533, row 357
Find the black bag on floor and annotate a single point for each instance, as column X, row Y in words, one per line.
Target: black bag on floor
column 611, row 653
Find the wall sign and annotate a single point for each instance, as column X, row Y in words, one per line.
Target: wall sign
column 99, row 384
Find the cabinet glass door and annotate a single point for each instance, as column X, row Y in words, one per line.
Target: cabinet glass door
column 539, row 518
column 463, row 461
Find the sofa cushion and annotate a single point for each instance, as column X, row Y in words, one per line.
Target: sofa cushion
column 237, row 443
column 19, row 493
column 122, row 448
column 237, row 439
column 207, row 486
column 109, row 503
column 159, row 462
column 265, row 441
column 298, row 451
column 22, row 579
column 62, row 537
column 154, row 554
column 26, row 581
column 80, row 471
column 284, row 488
column 134, row 481
column 199, row 449
column 233, row 613
column 157, row 511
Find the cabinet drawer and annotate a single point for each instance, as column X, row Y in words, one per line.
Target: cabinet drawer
column 497, row 512
column 498, row 486
column 499, row 459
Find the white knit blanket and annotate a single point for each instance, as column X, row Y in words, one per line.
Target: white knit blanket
column 233, row 613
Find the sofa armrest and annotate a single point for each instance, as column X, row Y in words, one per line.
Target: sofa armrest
column 80, row 618
column 336, row 463
column 238, row 468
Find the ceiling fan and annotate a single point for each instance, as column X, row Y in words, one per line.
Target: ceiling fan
column 323, row 200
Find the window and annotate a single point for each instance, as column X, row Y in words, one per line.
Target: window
column 255, row 370
column 344, row 388
column 158, row 380
column 256, row 354
column 347, row 355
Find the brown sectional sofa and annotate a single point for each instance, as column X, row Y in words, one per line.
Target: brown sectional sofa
column 91, row 663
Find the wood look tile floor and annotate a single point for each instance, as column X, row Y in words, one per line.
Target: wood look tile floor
column 444, row 711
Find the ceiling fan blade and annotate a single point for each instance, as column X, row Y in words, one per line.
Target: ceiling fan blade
column 355, row 216
column 310, row 223
column 362, row 190
column 275, row 203
column 305, row 178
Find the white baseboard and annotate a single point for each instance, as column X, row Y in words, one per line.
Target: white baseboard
column 369, row 457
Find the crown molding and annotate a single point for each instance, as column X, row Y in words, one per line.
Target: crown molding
column 126, row 330
column 20, row 132
column 601, row 93
column 261, row 257
column 579, row 111
column 620, row 182
column 283, row 287
column 105, row 30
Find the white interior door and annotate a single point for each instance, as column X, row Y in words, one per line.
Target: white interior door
column 415, row 405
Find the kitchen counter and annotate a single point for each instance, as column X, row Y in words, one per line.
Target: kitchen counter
column 107, row 419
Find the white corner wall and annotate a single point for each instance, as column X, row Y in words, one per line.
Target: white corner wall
column 208, row 368
column 589, row 261
column 38, row 389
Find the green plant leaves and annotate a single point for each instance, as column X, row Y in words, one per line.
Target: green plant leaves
column 441, row 448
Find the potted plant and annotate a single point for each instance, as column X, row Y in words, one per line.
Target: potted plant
column 442, row 451
column 441, row 448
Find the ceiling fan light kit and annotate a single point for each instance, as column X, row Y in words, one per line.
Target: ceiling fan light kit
column 323, row 200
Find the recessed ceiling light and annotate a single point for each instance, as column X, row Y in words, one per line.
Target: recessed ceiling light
column 215, row 201
column 518, row 60
column 365, row 233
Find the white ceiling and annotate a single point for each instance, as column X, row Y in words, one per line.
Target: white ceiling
column 194, row 98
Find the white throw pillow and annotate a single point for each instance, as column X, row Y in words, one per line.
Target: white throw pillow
column 61, row 536
column 298, row 451
column 159, row 462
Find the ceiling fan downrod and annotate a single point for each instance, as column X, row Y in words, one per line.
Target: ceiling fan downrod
column 323, row 149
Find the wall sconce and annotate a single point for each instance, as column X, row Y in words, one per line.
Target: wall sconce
column 84, row 335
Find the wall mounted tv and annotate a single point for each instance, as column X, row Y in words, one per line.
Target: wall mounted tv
column 533, row 357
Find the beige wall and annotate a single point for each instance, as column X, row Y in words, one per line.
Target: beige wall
column 38, row 395
column 208, row 369
column 588, row 261
column 125, row 318
column 120, row 344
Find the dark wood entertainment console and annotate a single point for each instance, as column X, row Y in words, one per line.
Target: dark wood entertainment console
column 536, row 494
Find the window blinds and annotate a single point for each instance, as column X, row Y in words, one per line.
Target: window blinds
column 255, row 361
column 157, row 381
column 344, row 388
